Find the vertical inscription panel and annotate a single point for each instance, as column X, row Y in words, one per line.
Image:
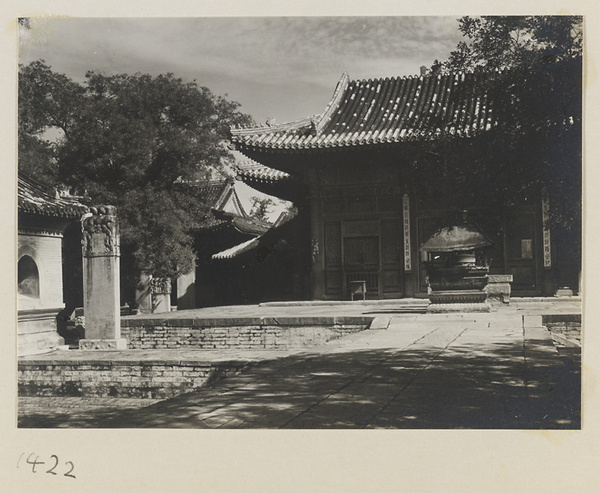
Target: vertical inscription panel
column 406, row 232
column 546, row 233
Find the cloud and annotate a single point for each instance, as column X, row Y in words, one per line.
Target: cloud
column 257, row 61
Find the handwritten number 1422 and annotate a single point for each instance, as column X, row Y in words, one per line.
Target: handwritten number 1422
column 53, row 462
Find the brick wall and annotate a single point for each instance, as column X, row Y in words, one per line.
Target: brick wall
column 562, row 322
column 146, row 379
column 240, row 334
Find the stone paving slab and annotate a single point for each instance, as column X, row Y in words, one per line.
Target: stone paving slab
column 177, row 356
column 424, row 372
column 303, row 309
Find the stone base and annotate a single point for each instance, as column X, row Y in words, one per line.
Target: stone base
column 36, row 331
column 44, row 342
column 458, row 296
column 564, row 292
column 459, row 308
column 498, row 287
column 102, row 344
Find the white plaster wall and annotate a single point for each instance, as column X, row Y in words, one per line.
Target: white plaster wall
column 46, row 251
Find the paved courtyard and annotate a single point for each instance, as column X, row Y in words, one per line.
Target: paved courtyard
column 484, row 371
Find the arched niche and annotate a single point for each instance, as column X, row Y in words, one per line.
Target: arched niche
column 28, row 277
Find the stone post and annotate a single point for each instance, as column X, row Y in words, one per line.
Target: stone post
column 161, row 294
column 101, row 299
column 186, row 290
column 143, row 293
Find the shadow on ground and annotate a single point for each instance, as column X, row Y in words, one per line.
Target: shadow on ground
column 498, row 385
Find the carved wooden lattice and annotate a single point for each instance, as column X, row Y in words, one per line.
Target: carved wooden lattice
column 389, row 202
column 361, row 205
column 333, row 254
column 333, row 206
column 361, row 251
column 390, row 237
column 361, row 228
column 391, row 279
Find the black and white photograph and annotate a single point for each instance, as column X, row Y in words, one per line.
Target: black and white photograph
column 332, row 222
column 406, row 254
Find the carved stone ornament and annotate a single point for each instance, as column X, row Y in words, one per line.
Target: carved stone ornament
column 315, row 250
column 102, row 344
column 160, row 285
column 100, row 232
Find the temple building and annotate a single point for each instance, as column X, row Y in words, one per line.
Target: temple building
column 226, row 225
column 43, row 262
column 390, row 162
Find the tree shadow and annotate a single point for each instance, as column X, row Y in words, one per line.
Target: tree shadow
column 498, row 385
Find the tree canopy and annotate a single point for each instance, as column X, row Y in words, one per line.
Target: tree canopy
column 531, row 69
column 138, row 142
column 508, row 42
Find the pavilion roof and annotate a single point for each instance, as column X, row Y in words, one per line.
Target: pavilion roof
column 389, row 110
column 225, row 207
column 251, row 171
column 269, row 236
column 35, row 198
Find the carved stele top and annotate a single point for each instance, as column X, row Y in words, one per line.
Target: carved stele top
column 100, row 232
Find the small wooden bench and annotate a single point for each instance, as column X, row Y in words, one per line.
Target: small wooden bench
column 358, row 287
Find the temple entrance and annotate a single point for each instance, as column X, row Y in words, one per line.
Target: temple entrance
column 361, row 262
column 520, row 245
column 369, row 251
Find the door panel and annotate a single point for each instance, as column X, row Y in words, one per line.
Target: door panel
column 521, row 252
column 392, row 252
column 361, row 261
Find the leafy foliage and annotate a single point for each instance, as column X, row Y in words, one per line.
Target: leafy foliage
column 508, row 42
column 134, row 141
column 261, row 207
column 531, row 69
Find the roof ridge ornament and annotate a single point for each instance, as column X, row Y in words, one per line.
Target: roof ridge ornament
column 340, row 90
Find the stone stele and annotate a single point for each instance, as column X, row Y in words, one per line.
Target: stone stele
column 100, row 244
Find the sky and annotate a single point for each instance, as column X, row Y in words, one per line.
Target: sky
column 277, row 67
column 281, row 68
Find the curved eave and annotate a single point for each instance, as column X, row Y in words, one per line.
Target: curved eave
column 59, row 211
column 360, row 142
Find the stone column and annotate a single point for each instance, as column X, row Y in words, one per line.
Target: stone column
column 101, row 299
column 161, row 294
column 143, row 293
column 316, row 235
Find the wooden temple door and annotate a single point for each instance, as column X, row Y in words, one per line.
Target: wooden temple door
column 520, row 253
column 361, row 262
column 370, row 251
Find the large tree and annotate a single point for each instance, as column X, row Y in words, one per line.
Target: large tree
column 508, row 42
column 530, row 69
column 138, row 142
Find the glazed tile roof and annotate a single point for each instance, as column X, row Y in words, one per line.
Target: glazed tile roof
column 212, row 191
column 35, row 198
column 250, row 225
column 219, row 195
column 250, row 170
column 272, row 233
column 236, row 250
column 363, row 112
column 226, row 209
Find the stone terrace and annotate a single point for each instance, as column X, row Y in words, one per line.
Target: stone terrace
column 497, row 370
